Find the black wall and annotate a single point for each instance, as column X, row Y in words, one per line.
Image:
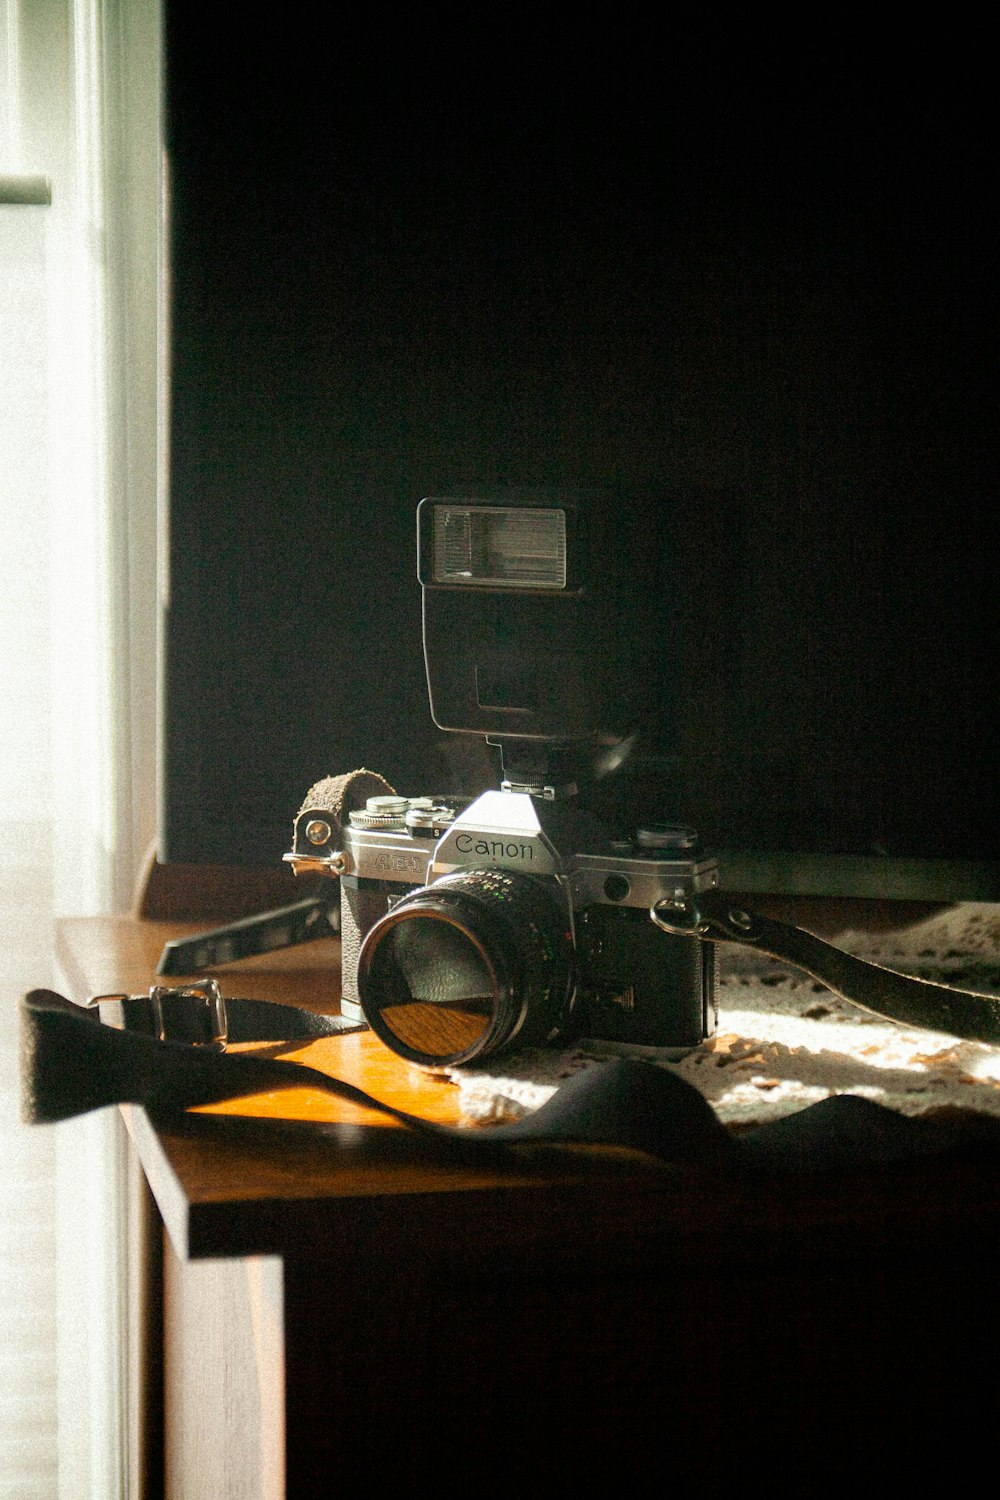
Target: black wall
column 406, row 258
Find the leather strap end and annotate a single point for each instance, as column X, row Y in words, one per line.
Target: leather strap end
column 67, row 1065
column 71, row 1064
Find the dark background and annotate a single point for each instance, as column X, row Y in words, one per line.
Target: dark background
column 762, row 291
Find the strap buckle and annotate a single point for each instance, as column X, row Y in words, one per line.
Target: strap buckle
column 194, row 1013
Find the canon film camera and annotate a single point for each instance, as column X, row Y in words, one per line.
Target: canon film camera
column 517, row 918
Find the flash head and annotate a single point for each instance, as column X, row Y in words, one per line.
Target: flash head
column 498, row 547
column 545, row 613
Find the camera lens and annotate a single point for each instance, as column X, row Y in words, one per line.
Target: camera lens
column 463, row 967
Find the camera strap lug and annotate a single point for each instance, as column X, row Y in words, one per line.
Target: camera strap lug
column 715, row 917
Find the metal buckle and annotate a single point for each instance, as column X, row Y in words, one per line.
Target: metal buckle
column 164, row 1013
column 205, row 990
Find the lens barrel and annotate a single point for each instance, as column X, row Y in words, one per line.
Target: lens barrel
column 459, row 969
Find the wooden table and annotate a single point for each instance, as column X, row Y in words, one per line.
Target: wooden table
column 336, row 1309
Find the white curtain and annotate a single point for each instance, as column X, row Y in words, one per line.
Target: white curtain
column 79, row 106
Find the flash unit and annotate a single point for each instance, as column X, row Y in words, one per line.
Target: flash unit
column 541, row 612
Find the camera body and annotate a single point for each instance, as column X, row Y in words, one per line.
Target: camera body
column 513, row 920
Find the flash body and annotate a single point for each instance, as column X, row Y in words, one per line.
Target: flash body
column 538, row 606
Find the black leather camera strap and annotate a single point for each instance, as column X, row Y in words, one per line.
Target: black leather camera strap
column 168, row 1052
column 714, row 917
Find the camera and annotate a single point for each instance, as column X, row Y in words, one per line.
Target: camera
column 514, row 918
column 513, row 921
